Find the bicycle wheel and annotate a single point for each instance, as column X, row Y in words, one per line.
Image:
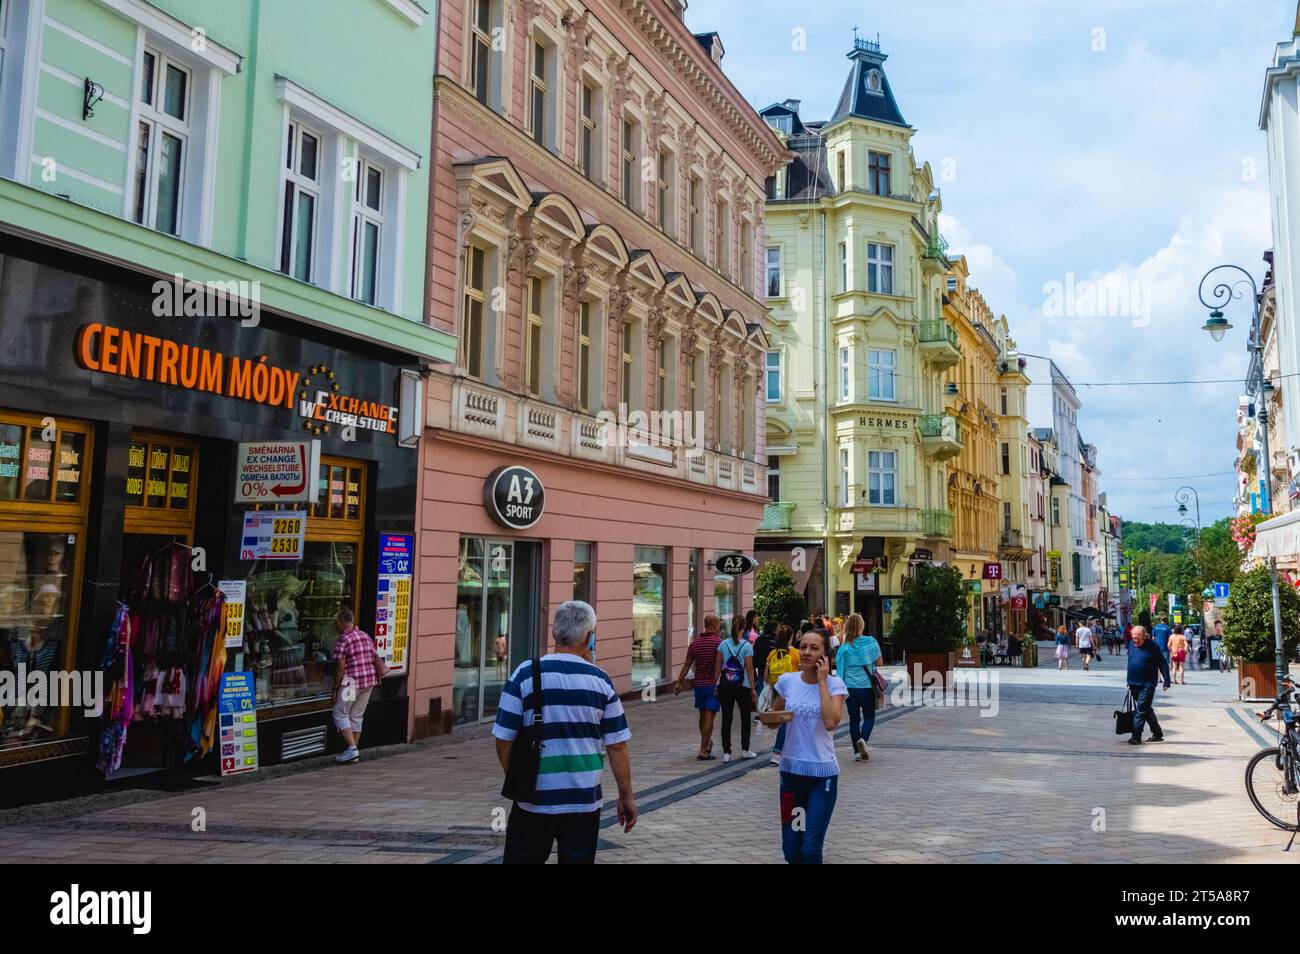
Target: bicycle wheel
column 1266, row 786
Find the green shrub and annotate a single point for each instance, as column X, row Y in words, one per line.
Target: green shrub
column 931, row 616
column 775, row 597
column 1248, row 618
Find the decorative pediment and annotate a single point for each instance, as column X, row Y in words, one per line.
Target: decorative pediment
column 606, row 245
column 758, row 337
column 493, row 177
column 735, row 326
column 556, row 212
column 778, row 431
column 678, row 290
column 889, row 314
column 709, row 307
column 643, row 267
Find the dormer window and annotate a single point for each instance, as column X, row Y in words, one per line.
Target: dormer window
column 875, row 82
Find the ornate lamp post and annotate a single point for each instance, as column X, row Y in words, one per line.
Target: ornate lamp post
column 1221, row 292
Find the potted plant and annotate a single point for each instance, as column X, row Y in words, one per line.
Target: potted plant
column 1248, row 631
column 930, row 624
column 775, row 596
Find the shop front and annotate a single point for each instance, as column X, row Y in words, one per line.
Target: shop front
column 137, row 539
column 509, row 533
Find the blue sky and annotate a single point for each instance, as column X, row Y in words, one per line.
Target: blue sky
column 1115, row 141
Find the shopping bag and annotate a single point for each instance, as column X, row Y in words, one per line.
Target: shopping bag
column 1124, row 717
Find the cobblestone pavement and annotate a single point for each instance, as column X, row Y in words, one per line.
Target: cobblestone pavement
column 1039, row 778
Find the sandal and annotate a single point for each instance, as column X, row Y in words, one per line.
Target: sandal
column 706, row 758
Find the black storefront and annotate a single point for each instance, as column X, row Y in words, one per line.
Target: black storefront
column 119, row 436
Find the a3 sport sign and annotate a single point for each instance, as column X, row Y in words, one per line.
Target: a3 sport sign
column 514, row 497
column 733, row 564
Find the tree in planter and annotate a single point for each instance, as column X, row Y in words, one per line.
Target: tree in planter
column 775, row 596
column 931, row 616
column 1248, row 618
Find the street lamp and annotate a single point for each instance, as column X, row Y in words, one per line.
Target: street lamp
column 1181, row 495
column 1222, row 292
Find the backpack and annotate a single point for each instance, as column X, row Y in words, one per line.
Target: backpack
column 778, row 664
column 733, row 669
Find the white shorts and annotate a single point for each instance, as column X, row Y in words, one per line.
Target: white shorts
column 347, row 715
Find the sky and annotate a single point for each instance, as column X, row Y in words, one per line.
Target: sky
column 1112, row 142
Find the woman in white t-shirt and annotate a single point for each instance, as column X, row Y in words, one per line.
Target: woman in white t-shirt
column 809, row 769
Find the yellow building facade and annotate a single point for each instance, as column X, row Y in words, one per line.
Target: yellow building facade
column 858, row 435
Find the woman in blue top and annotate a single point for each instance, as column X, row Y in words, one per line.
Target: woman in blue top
column 810, row 773
column 855, row 663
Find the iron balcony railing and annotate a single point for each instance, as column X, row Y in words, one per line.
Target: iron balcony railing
column 943, row 426
column 936, row 523
column 937, row 330
column 936, row 247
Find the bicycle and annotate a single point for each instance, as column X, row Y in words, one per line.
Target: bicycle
column 1273, row 774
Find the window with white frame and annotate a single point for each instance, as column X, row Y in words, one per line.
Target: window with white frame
column 541, row 93
column 773, row 477
column 666, row 212
column 302, row 191
column 844, row 266
column 584, row 355
column 484, row 64
column 533, row 338
column 774, row 272
column 626, row 368
column 846, row 381
column 882, row 478
column 474, row 307
column 589, row 136
column 846, row 477
column 773, row 369
column 631, row 163
column 880, row 268
column 696, row 216
column 162, row 137
column 368, row 197
column 882, row 375
column 1056, row 511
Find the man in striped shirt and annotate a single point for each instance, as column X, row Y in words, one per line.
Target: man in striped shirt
column 581, row 712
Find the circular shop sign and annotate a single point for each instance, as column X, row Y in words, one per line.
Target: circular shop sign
column 734, row 564
column 514, row 497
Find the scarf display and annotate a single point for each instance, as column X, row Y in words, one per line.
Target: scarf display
column 119, row 671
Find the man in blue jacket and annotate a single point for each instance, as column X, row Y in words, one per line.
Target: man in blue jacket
column 1146, row 664
column 1161, row 635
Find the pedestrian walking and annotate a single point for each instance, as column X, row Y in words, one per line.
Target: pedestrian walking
column 1146, row 663
column 809, row 769
column 1015, row 650
column 1062, row 648
column 781, row 660
column 1084, row 639
column 358, row 670
column 751, row 627
column 1178, row 656
column 1128, row 637
column 564, row 810
column 856, row 665
column 702, row 655
column 736, row 686
column 763, row 647
column 1160, row 635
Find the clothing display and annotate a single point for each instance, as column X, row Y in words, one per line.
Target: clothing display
column 119, row 671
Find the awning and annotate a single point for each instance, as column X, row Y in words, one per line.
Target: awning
column 1279, row 537
column 810, row 554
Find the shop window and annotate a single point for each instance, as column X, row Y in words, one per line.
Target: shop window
column 160, row 485
column 649, row 609
column 44, row 491
column 290, row 606
column 692, row 593
column 582, row 568
column 724, row 598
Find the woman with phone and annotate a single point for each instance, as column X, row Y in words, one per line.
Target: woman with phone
column 809, row 769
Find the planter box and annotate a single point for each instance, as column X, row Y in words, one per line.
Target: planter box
column 1257, row 681
column 927, row 663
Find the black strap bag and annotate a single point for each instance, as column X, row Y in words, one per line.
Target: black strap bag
column 526, row 753
column 1124, row 717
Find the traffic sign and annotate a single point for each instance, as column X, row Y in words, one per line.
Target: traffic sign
column 1220, row 594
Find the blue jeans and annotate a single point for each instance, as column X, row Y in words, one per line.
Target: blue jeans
column 862, row 714
column 816, row 796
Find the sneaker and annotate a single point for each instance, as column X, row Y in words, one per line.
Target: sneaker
column 775, row 759
column 863, row 754
column 1156, row 738
column 350, row 754
column 1134, row 741
column 749, row 755
column 726, row 758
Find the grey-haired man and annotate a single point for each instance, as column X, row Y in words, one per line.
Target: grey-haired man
column 581, row 714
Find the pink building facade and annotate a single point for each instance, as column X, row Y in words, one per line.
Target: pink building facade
column 596, row 245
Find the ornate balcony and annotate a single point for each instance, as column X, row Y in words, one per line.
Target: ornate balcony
column 936, row 523
column 939, row 343
column 776, row 516
column 940, row 435
column 935, row 257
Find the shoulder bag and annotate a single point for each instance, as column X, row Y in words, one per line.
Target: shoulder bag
column 526, row 753
column 1124, row 717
